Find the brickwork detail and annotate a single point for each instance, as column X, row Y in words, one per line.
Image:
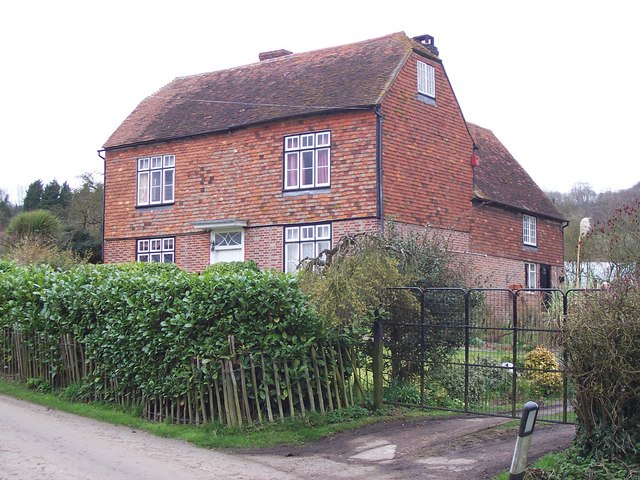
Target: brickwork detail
column 264, row 245
column 193, row 251
column 119, row 251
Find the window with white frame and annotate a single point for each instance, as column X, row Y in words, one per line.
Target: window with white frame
column 426, row 79
column 530, row 275
column 307, row 161
column 529, row 235
column 227, row 246
column 157, row 250
column 156, row 180
column 227, row 240
column 305, row 242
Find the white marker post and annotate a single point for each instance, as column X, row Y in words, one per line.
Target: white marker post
column 527, row 423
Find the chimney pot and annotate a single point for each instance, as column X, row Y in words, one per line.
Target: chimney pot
column 428, row 42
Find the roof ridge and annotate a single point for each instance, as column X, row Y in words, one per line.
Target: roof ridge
column 292, row 55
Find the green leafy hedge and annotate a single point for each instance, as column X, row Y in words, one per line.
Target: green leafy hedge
column 143, row 325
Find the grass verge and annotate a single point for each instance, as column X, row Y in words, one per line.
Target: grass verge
column 546, row 462
column 294, row 431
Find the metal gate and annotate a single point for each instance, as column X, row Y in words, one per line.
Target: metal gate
column 482, row 351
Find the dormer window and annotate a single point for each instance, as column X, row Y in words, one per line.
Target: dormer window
column 426, row 80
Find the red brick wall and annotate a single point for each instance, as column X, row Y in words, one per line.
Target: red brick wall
column 264, row 245
column 497, row 233
column 240, row 174
column 340, row 229
column 500, row 272
column 427, row 175
column 193, row 251
column 455, row 241
column 119, row 251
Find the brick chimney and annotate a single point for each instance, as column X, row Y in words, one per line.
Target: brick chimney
column 428, row 42
column 273, row 54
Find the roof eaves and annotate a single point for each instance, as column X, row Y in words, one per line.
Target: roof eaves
column 230, row 128
column 487, row 201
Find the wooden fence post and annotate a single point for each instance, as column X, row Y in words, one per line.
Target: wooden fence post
column 378, row 363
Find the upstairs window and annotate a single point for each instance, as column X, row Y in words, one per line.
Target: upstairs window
column 156, row 180
column 529, row 236
column 426, row 80
column 305, row 242
column 158, row 250
column 307, row 161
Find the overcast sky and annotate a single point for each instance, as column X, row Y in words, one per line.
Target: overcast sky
column 557, row 81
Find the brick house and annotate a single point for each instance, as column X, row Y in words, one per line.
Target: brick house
column 277, row 160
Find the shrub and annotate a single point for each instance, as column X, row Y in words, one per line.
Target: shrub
column 485, row 380
column 37, row 223
column 603, row 338
column 402, row 392
column 32, row 251
column 231, row 267
column 359, row 277
column 542, row 371
column 144, row 324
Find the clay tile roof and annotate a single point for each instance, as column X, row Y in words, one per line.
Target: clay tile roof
column 499, row 178
column 347, row 76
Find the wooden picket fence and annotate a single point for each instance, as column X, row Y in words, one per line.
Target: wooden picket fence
column 236, row 389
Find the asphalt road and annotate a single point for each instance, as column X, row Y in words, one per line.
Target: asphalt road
column 37, row 443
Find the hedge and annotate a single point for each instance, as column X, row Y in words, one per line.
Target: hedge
column 143, row 325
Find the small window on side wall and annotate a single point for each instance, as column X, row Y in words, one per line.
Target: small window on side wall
column 530, row 275
column 426, row 79
column 529, row 231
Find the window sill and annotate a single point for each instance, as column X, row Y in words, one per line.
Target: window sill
column 309, row 191
column 164, row 206
column 421, row 97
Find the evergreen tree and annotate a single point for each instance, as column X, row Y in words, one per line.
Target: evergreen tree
column 65, row 196
column 84, row 219
column 33, row 198
column 51, row 196
column 5, row 210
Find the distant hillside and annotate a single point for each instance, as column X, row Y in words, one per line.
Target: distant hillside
column 582, row 201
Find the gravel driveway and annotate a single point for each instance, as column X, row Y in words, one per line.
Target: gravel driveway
column 40, row 443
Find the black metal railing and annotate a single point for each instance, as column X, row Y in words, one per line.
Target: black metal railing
column 484, row 351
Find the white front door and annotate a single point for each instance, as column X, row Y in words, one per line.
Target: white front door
column 227, row 246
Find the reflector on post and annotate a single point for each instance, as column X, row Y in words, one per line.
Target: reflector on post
column 527, row 424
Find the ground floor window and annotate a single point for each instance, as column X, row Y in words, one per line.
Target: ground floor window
column 227, row 246
column 304, row 242
column 530, row 275
column 158, row 250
